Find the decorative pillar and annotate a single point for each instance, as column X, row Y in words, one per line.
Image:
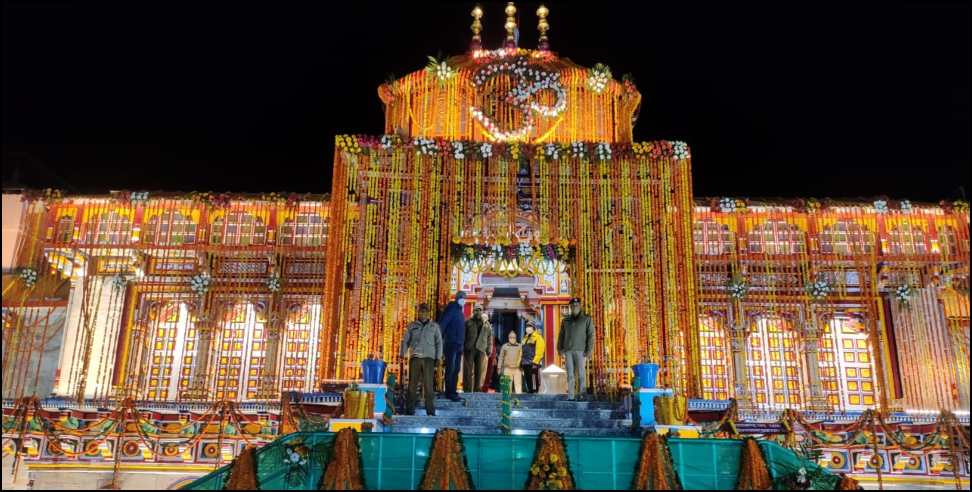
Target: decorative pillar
column 744, row 399
column 818, row 402
column 199, row 382
column 270, row 382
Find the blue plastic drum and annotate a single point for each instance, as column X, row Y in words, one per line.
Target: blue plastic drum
column 373, row 371
column 647, row 375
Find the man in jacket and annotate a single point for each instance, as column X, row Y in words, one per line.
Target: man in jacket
column 575, row 344
column 533, row 349
column 423, row 345
column 475, row 351
column 453, row 326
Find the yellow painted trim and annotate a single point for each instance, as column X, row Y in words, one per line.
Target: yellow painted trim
column 111, row 466
column 927, row 480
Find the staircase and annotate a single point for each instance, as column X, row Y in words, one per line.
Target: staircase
column 480, row 414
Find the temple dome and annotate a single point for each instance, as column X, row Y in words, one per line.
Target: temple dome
column 511, row 94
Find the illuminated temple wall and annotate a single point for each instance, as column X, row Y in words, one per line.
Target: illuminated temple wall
column 870, row 346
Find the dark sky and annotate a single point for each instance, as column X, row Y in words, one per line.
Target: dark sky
column 779, row 99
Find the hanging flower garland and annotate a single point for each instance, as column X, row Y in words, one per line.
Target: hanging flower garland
column 656, row 470
column 29, row 276
column 753, row 472
column 441, row 69
column 818, row 290
column 343, row 470
column 602, row 151
column 598, row 77
column 737, row 288
column 903, row 293
column 200, row 283
column 273, row 284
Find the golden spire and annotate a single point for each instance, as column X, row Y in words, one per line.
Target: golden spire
column 477, row 27
column 510, row 25
column 543, row 27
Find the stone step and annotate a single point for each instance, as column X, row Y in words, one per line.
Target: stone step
column 495, row 430
column 526, row 423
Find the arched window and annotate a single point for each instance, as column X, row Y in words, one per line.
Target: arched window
column 712, row 238
column 907, row 239
column 300, row 350
column 239, row 229
column 65, row 229
column 846, row 237
column 308, row 229
column 242, row 353
column 776, row 237
column 170, row 228
column 716, row 358
column 949, row 243
column 110, row 228
column 847, row 364
column 171, row 353
column 775, row 370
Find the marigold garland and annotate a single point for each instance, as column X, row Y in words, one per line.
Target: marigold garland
column 446, row 467
column 753, row 473
column 343, row 471
column 655, row 468
column 551, row 468
column 243, row 471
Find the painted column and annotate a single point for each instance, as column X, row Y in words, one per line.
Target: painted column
column 270, row 383
column 744, row 398
column 811, row 346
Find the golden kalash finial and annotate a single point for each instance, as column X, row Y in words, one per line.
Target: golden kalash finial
column 543, row 27
column 477, row 28
column 510, row 25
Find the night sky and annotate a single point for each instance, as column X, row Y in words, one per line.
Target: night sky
column 782, row 99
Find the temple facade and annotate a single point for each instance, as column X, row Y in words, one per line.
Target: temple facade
column 512, row 175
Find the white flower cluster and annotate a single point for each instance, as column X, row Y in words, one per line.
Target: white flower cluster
column 387, row 141
column 906, row 206
column 293, row 458
column 727, row 205
column 118, row 282
column 273, row 284
column 603, row 151
column 598, row 78
column 29, row 276
column 458, row 151
column 552, row 151
column 529, row 82
column 441, row 69
column 818, row 290
column 486, row 150
column 425, row 146
column 680, row 150
column 200, row 283
column 578, row 149
column 738, row 288
column 881, row 206
column 903, row 293
column 139, row 197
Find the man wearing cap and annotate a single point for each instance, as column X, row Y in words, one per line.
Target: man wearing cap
column 424, row 340
column 478, row 345
column 453, row 324
column 575, row 344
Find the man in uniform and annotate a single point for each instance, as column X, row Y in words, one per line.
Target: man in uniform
column 575, row 343
column 476, row 348
column 423, row 345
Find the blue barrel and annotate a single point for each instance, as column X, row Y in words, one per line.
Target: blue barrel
column 646, row 374
column 373, row 371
